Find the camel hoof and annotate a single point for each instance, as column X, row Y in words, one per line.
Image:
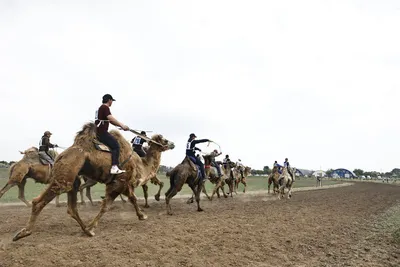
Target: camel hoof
column 157, row 197
column 89, row 232
column 170, row 213
column 147, row 206
column 21, row 234
column 225, row 196
column 200, row 209
column 143, row 217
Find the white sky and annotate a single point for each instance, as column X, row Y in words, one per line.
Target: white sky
column 315, row 81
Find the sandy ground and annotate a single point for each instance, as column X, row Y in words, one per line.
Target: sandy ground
column 340, row 226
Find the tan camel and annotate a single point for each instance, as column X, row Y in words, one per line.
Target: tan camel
column 273, row 178
column 212, row 174
column 89, row 157
column 286, row 181
column 30, row 166
column 185, row 172
column 239, row 178
column 230, row 176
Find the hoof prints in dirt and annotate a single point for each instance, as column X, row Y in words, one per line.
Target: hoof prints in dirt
column 333, row 227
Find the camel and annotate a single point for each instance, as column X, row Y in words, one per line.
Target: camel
column 273, row 177
column 212, row 175
column 30, row 166
column 286, row 181
column 91, row 158
column 239, row 178
column 185, row 172
column 230, row 174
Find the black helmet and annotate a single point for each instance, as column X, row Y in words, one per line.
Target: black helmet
column 143, row 133
column 286, row 159
column 192, row 135
column 226, row 156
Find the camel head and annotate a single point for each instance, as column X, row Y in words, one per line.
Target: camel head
column 160, row 143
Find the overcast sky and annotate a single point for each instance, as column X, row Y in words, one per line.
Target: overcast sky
column 315, row 81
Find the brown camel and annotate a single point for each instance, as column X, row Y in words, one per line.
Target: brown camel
column 185, row 172
column 239, row 178
column 87, row 156
column 273, row 178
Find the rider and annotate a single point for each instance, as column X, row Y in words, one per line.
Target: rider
column 227, row 164
column 278, row 166
column 102, row 121
column 240, row 167
column 44, row 146
column 137, row 144
column 190, row 152
column 287, row 165
column 213, row 155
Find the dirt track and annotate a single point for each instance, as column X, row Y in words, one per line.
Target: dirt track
column 334, row 227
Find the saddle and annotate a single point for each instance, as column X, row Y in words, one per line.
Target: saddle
column 196, row 167
column 43, row 160
column 100, row 146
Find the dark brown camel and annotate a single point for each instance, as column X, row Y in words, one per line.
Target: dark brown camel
column 185, row 172
column 91, row 158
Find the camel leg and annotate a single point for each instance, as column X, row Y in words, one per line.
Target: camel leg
column 88, row 184
column 216, row 187
column 37, row 206
column 269, row 185
column 145, row 193
column 122, row 199
column 21, row 193
column 197, row 190
column 245, row 185
column 89, row 195
column 222, row 183
column 82, row 200
column 171, row 192
column 203, row 189
column 7, row 187
column 107, row 201
column 72, row 207
column 58, row 201
column 157, row 181
column 132, row 198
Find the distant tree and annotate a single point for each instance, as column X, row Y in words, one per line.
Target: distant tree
column 395, row 172
column 329, row 172
column 358, row 172
column 11, row 162
column 266, row 170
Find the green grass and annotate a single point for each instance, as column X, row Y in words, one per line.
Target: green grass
column 33, row 189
